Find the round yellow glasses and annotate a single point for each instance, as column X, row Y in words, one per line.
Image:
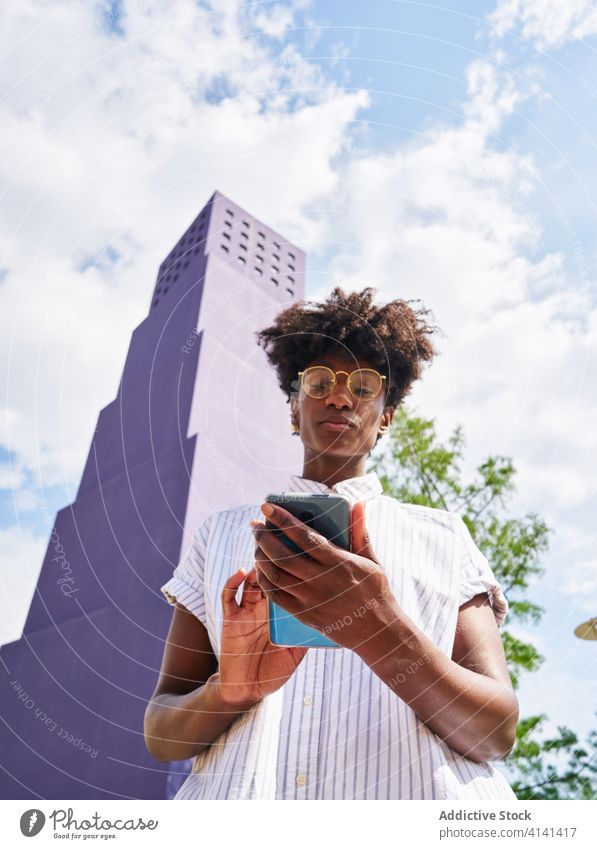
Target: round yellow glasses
column 364, row 384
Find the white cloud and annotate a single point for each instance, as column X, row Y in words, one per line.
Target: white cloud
column 547, row 23
column 12, row 476
column 275, row 21
column 21, row 555
column 580, row 581
column 115, row 143
column 446, row 219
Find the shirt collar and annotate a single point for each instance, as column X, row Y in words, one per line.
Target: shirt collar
column 355, row 489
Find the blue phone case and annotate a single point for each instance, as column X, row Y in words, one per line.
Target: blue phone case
column 329, row 515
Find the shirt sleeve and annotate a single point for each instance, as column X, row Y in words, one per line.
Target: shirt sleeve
column 187, row 582
column 476, row 575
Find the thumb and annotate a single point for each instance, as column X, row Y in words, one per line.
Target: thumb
column 361, row 543
column 229, row 590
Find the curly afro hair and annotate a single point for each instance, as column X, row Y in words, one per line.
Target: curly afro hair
column 394, row 337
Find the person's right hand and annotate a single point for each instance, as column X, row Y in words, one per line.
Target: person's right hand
column 250, row 666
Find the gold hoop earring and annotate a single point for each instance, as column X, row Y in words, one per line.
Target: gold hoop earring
column 293, row 427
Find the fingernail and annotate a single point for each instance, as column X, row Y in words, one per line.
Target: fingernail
column 267, row 509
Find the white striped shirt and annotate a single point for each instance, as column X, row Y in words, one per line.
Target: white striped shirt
column 335, row 730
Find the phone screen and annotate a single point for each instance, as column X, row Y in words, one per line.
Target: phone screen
column 329, row 515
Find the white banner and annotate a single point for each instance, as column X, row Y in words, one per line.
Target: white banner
column 307, row 824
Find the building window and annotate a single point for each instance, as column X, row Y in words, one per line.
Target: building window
column 224, row 248
column 244, row 235
column 230, row 212
column 288, row 277
column 275, row 268
column 260, row 234
column 228, row 223
column 258, row 270
column 291, row 267
column 259, row 258
column 275, row 256
column 245, row 223
column 273, row 279
column 241, row 259
column 165, row 289
column 292, row 256
column 290, row 291
column 186, row 262
column 155, row 303
column 226, row 236
column 260, row 246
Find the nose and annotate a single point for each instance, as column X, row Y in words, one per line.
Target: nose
column 340, row 393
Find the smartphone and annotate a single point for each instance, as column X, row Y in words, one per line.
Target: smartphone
column 329, row 515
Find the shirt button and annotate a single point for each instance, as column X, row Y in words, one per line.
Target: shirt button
column 307, row 700
column 301, row 779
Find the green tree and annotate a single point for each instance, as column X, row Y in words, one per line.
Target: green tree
column 416, row 468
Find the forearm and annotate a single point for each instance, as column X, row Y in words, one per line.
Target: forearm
column 475, row 714
column 182, row 726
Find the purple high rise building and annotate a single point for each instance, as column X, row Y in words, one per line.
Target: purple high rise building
column 199, row 424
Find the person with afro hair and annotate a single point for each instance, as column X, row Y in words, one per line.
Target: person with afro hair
column 413, row 699
column 347, row 331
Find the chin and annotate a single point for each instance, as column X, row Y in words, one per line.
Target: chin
column 346, row 444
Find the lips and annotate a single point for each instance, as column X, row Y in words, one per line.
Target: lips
column 336, row 423
column 338, row 420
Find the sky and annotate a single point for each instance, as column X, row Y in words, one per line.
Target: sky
column 436, row 151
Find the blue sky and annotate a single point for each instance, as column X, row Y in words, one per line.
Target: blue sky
column 435, row 151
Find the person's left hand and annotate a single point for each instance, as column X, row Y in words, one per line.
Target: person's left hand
column 342, row 594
